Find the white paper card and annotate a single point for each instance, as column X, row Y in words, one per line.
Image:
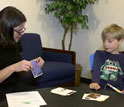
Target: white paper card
column 95, row 97
column 25, row 99
column 63, row 91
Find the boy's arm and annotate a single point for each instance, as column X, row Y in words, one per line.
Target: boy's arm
column 96, row 68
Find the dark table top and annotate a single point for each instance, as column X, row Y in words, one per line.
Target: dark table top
column 75, row 100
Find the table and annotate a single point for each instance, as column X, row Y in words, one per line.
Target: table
column 75, row 100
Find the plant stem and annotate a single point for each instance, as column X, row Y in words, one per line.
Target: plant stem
column 63, row 40
column 71, row 39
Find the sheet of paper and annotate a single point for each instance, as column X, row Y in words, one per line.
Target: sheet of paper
column 63, row 91
column 25, row 99
column 95, row 97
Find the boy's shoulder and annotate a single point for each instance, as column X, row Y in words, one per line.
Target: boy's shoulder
column 121, row 54
column 100, row 52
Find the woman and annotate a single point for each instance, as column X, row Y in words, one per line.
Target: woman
column 12, row 27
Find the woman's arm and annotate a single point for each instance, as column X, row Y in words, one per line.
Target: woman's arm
column 5, row 73
column 23, row 65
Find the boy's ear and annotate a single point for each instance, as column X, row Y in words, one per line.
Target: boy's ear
column 120, row 41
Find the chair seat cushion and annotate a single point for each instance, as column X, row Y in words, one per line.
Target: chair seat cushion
column 56, row 71
column 56, row 82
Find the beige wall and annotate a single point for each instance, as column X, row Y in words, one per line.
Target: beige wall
column 103, row 13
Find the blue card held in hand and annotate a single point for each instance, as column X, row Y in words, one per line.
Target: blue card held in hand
column 36, row 71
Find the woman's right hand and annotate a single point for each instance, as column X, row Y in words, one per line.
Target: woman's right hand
column 23, row 65
column 94, row 86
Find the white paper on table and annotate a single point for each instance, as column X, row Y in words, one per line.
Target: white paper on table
column 99, row 97
column 63, row 91
column 25, row 99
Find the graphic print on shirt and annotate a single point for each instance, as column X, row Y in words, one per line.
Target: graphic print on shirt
column 110, row 70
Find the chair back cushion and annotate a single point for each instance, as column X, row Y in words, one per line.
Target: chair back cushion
column 31, row 45
column 91, row 61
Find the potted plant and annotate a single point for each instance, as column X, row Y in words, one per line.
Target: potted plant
column 70, row 15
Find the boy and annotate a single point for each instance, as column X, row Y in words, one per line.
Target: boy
column 108, row 66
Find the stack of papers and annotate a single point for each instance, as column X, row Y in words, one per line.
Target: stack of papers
column 25, row 99
column 95, row 97
column 63, row 91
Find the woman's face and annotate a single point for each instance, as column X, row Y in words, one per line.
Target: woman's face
column 19, row 31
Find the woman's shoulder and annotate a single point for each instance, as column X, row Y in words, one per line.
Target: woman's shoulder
column 1, row 48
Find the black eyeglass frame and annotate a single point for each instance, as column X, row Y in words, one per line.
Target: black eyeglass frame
column 20, row 31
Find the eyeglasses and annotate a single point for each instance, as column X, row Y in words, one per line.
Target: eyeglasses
column 20, row 31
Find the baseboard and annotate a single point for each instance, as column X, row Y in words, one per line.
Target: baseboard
column 85, row 80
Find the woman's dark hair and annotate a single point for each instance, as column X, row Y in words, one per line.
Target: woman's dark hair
column 10, row 17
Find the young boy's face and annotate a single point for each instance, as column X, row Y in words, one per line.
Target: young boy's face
column 111, row 45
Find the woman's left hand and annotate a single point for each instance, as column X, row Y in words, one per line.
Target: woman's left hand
column 40, row 61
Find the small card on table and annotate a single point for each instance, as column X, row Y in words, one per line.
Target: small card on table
column 63, row 91
column 95, row 97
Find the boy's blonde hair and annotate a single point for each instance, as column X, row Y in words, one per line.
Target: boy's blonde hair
column 113, row 31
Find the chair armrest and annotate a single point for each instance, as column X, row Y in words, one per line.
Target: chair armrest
column 51, row 54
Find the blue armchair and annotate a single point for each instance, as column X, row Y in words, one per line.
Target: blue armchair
column 59, row 66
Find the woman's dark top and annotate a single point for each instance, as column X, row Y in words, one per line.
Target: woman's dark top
column 15, row 82
column 9, row 57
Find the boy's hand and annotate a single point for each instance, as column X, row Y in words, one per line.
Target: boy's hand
column 94, row 86
column 122, row 91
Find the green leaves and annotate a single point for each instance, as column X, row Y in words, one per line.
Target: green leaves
column 69, row 12
column 70, row 15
